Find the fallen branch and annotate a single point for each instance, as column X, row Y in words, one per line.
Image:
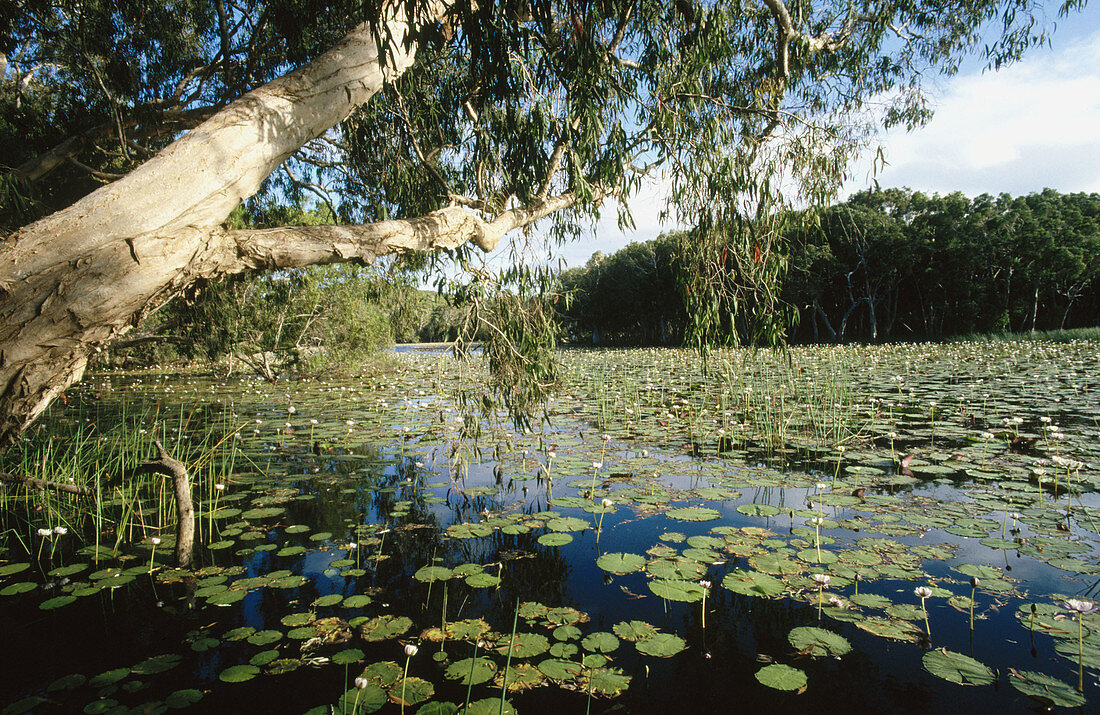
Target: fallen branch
column 185, row 510
column 43, row 484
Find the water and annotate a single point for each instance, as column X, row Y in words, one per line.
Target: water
column 394, row 480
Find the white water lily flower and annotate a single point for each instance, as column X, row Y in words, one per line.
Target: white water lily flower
column 410, row 650
column 1079, row 605
column 821, row 579
column 45, row 532
column 922, row 592
column 154, row 541
column 60, row 530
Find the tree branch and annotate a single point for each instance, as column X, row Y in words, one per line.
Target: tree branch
column 298, row 246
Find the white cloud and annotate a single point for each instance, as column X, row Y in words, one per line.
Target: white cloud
column 1029, row 126
column 1032, row 125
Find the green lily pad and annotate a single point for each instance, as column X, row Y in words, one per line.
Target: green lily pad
column 433, row 573
column 555, row 539
column 181, row 699
column 157, row 664
column 349, row 655
column 608, row 682
column 557, row 669
column 56, row 602
column 238, row 673
column 1046, row 689
column 634, row 630
column 781, row 677
column 818, row 642
column 410, row 691
column 661, row 645
column 621, row 563
column 471, row 670
column 384, row 627
column 14, row 589
column 524, row 645
column 753, row 583
column 675, row 590
column 361, row 700
column 693, row 513
column 957, row 668
column 600, row 642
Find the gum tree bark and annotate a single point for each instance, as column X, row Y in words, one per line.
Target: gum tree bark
column 79, row 278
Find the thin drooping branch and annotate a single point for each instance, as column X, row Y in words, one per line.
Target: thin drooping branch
column 172, row 121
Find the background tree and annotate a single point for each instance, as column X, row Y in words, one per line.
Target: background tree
column 492, row 116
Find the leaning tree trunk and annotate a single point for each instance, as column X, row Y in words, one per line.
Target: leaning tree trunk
column 75, row 280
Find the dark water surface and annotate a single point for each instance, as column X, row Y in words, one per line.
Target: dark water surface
column 358, row 508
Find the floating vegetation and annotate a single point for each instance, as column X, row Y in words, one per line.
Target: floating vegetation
column 772, row 524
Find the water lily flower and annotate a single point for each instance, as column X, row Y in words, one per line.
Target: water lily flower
column 291, row 410
column 60, row 530
column 975, row 582
column 155, row 540
column 219, row 487
column 922, row 592
column 705, row 584
column 1081, row 606
column 45, row 532
column 361, row 683
column 597, row 465
column 607, row 503
column 410, row 650
column 817, row 521
column 821, row 579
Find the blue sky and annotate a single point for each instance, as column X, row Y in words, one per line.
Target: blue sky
column 1032, row 125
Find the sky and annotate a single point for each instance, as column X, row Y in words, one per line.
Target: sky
column 1032, row 125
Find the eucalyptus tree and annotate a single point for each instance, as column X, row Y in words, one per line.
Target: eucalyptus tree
column 132, row 129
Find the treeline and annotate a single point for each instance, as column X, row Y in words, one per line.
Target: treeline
column 888, row 264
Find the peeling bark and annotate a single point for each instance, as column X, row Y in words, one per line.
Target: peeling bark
column 75, row 280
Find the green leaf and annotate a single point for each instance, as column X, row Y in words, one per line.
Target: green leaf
column 661, row 645
column 818, row 641
column 1046, row 689
column 957, row 668
column 621, row 563
column 238, row 673
column 781, row 677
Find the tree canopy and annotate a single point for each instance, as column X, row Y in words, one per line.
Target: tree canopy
column 888, row 264
column 427, row 125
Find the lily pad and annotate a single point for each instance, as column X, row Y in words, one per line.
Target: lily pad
column 661, row 645
column 957, row 668
column 238, row 673
column 621, row 563
column 818, row 642
column 781, row 677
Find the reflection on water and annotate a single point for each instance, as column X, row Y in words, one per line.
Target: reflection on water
column 317, row 553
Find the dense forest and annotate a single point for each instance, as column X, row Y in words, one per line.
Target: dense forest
column 888, row 264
